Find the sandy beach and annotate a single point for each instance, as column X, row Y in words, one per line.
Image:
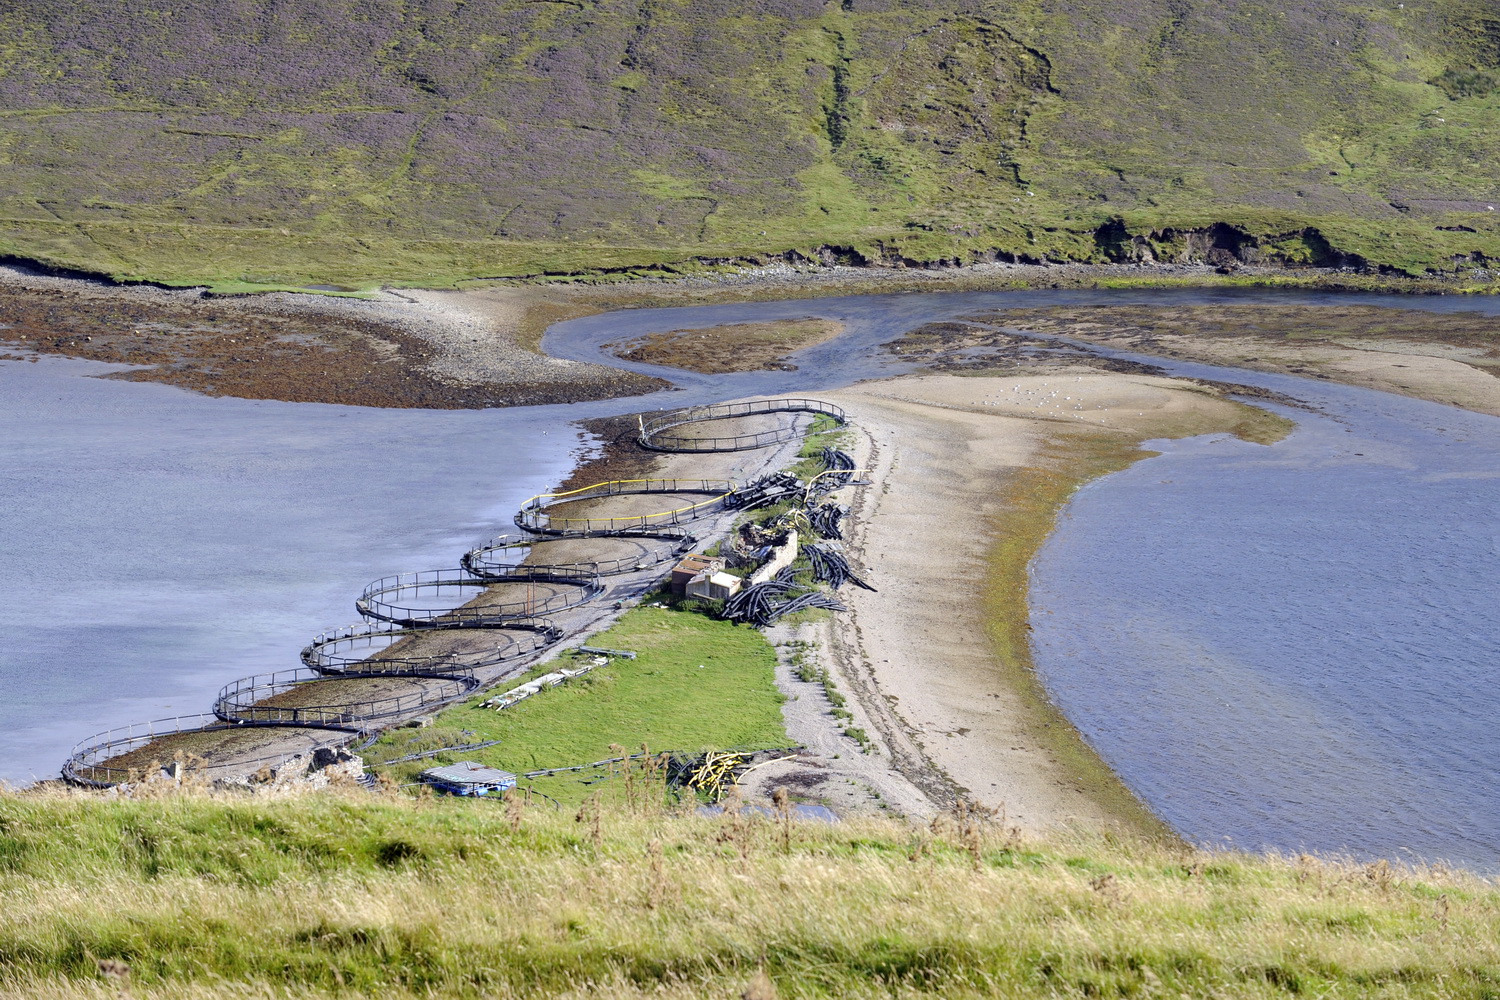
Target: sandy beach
column 956, row 718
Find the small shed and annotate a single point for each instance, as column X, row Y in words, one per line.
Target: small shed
column 716, row 586
column 691, row 566
column 468, row 777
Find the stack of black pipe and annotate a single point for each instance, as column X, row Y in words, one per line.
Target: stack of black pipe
column 841, row 466
column 825, row 518
column 829, row 566
column 766, row 603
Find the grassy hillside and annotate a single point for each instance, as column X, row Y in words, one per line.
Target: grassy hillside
column 360, row 895
column 425, row 141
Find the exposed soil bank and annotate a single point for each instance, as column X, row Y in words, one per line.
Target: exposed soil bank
column 297, row 348
column 619, row 456
column 478, row 347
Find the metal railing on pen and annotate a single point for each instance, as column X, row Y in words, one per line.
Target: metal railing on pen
column 396, row 599
column 90, row 762
column 274, row 698
column 537, row 514
column 363, row 648
column 657, row 433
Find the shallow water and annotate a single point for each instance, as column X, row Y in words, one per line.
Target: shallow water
column 1293, row 646
column 1287, row 646
column 158, row 544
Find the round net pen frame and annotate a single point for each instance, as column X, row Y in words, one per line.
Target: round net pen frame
column 488, row 563
column 537, row 517
column 385, row 599
column 243, row 702
column 657, row 433
column 88, row 764
column 354, row 650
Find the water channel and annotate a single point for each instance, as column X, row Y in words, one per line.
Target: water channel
column 1290, row 646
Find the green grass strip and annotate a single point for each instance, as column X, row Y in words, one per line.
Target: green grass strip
column 696, row 682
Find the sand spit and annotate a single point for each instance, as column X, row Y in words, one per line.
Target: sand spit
column 916, row 654
column 1443, row 356
column 1437, row 372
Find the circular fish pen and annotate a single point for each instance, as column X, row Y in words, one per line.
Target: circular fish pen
column 503, row 557
column 541, row 516
column 427, row 598
column 678, row 430
column 378, row 647
column 427, row 634
column 305, row 697
column 202, row 744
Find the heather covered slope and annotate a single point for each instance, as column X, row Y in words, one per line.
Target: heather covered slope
column 429, row 140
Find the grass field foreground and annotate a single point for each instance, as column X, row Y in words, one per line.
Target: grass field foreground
column 351, row 894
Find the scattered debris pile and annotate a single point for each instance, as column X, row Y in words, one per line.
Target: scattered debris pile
column 549, row 680
column 765, row 491
column 323, row 767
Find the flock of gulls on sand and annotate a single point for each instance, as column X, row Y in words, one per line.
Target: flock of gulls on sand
column 1023, row 396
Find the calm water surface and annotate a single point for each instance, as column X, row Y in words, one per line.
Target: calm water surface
column 1291, row 646
column 158, row 544
column 1294, row 646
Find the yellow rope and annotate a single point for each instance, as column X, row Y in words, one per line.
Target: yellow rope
column 533, row 505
